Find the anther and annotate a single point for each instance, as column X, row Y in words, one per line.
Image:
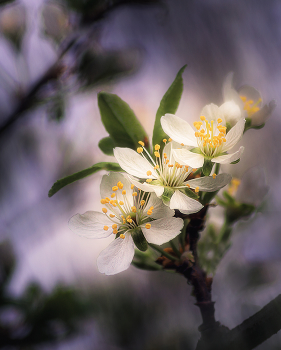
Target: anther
column 149, row 212
column 139, row 149
column 114, row 188
column 182, row 144
column 134, row 209
column 170, row 165
column 148, row 180
column 113, row 195
column 112, row 215
column 141, row 143
column 157, row 147
column 107, row 199
column 219, row 120
column 104, row 210
column 132, row 186
column 197, row 189
column 103, row 201
column 123, row 192
column 121, row 203
column 148, row 173
column 115, row 231
column 214, row 176
column 188, row 185
column 157, row 154
column 134, row 194
column 164, row 140
column 142, row 202
column 202, row 118
column 114, row 226
column 147, row 226
column 105, row 228
column 122, row 236
column 169, row 139
column 156, row 167
column 120, row 185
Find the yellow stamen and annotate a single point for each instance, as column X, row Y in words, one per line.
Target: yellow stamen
column 121, row 203
column 105, row 228
column 107, row 199
column 197, row 189
column 114, row 226
column 141, row 143
column 103, row 201
column 112, row 215
column 147, row 226
column 149, row 212
column 113, row 195
column 142, row 202
column 169, row 139
column 156, row 167
column 202, row 118
column 157, row 154
column 139, row 149
column 219, row 120
column 170, row 165
column 122, row 236
column 164, row 140
column 182, row 144
column 120, row 185
column 115, row 231
column 148, row 180
column 214, row 176
column 124, row 192
column 157, row 147
column 134, row 209
column 188, row 185
column 134, row 194
column 132, row 186
column 114, row 188
column 104, row 210
column 148, row 173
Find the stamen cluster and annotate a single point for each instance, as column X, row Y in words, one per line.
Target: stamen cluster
column 249, row 106
column 123, row 215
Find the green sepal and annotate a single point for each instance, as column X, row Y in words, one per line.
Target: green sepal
column 120, row 121
column 167, row 194
column 168, row 104
column 139, row 239
column 235, row 161
column 106, row 145
column 257, row 127
column 83, row 173
column 207, row 167
column 208, row 197
column 228, row 127
column 152, row 266
column 196, row 150
column 189, row 193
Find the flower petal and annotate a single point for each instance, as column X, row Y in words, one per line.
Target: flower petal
column 133, row 163
column 229, row 93
column 110, row 180
column 117, row 257
column 212, row 112
column 231, row 112
column 184, row 156
column 90, row 224
column 209, row 184
column 147, row 187
column 184, row 204
column 163, row 230
column 234, row 135
column 229, row 158
column 160, row 209
column 178, row 129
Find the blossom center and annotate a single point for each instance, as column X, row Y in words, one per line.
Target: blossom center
column 122, row 213
column 210, row 136
column 249, row 106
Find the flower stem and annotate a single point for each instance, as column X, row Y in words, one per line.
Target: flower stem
column 167, row 255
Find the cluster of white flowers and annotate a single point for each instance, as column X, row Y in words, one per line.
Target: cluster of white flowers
column 139, row 206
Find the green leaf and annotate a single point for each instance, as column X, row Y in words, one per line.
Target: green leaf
column 120, row 121
column 168, row 104
column 139, row 239
column 207, row 167
column 208, row 196
column 106, row 145
column 152, row 266
column 81, row 174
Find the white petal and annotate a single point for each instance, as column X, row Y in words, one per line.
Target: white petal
column 230, row 94
column 261, row 116
column 184, row 204
column 228, row 158
column 146, row 187
column 178, row 129
column 208, row 184
column 110, row 180
column 231, row 112
column 133, row 163
column 212, row 112
column 117, row 257
column 234, row 135
column 184, row 156
column 163, row 230
column 160, row 209
column 90, row 225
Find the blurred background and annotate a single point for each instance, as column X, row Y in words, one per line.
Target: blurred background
column 55, row 57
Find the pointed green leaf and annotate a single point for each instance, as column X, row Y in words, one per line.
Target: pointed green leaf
column 120, row 121
column 81, row 174
column 106, row 145
column 168, row 104
column 139, row 239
